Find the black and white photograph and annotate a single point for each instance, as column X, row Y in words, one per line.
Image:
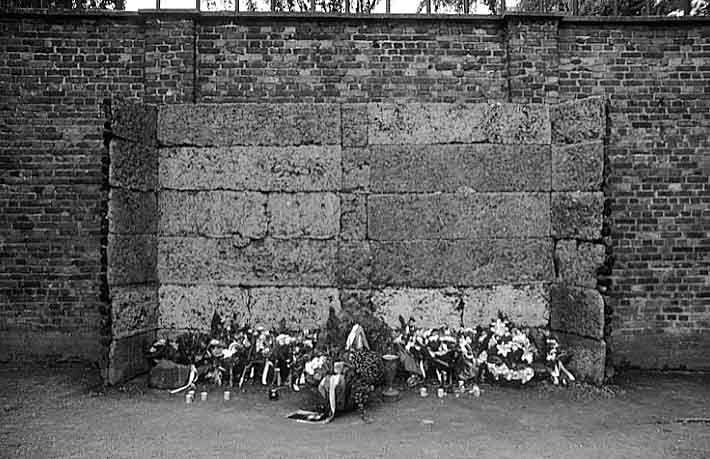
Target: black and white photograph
column 355, row 229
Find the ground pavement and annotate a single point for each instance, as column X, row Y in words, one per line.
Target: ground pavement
column 64, row 411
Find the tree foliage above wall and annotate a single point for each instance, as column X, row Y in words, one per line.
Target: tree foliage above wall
column 65, row 4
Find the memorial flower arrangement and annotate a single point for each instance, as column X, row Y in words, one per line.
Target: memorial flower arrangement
column 339, row 363
column 501, row 352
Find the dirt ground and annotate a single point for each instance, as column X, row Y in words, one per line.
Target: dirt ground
column 64, row 411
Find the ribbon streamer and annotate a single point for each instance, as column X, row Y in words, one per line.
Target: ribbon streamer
column 190, row 381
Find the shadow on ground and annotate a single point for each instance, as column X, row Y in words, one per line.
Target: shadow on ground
column 64, row 411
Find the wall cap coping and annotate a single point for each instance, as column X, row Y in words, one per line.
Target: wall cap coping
column 259, row 15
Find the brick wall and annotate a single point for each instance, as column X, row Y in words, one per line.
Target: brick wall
column 56, row 70
column 657, row 80
column 55, row 73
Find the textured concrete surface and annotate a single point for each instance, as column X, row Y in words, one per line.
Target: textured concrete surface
column 126, row 357
column 353, row 216
column 134, row 121
column 428, row 307
column 578, row 262
column 132, row 165
column 134, row 309
column 463, row 262
column 577, row 215
column 292, row 168
column 304, row 215
column 458, row 216
column 185, row 307
column 588, row 356
column 298, row 307
column 526, row 305
column 132, row 212
column 354, row 264
column 234, row 261
column 448, row 168
column 578, row 167
column 432, row 123
column 249, row 124
column 577, row 310
column 354, row 120
column 131, row 259
column 578, row 120
column 213, row 213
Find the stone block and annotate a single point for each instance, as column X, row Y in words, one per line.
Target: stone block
column 355, row 303
column 458, row 216
column 578, row 167
column 462, row 262
column 578, row 262
column 354, row 124
column 578, row 120
column 353, row 216
column 356, row 168
column 304, row 215
column 249, row 124
column 134, row 309
column 235, row 261
column 428, row 307
column 430, row 123
column 191, row 307
column 304, row 168
column 354, row 264
column 134, row 121
column 127, row 358
column 132, row 212
column 131, row 259
column 518, row 124
column 298, row 307
column 213, row 213
column 588, row 357
column 449, row 168
column 577, row 215
column 133, row 165
column 437, row 123
column 524, row 305
column 577, row 310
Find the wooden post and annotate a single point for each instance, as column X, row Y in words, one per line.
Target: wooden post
column 347, row 6
column 157, row 4
column 647, row 8
column 388, row 6
column 575, row 7
column 236, row 6
column 502, row 6
column 428, row 6
column 686, row 7
column 466, row 6
column 313, row 5
column 197, row 5
column 273, row 5
column 616, row 7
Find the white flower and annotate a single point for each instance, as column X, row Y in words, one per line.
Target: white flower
column 527, row 356
column 500, row 328
column 527, row 374
column 315, row 364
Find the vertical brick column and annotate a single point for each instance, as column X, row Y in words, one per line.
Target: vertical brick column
column 169, row 60
column 533, row 58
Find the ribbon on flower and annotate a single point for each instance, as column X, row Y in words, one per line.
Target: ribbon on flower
column 192, row 377
column 265, row 373
column 356, row 338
